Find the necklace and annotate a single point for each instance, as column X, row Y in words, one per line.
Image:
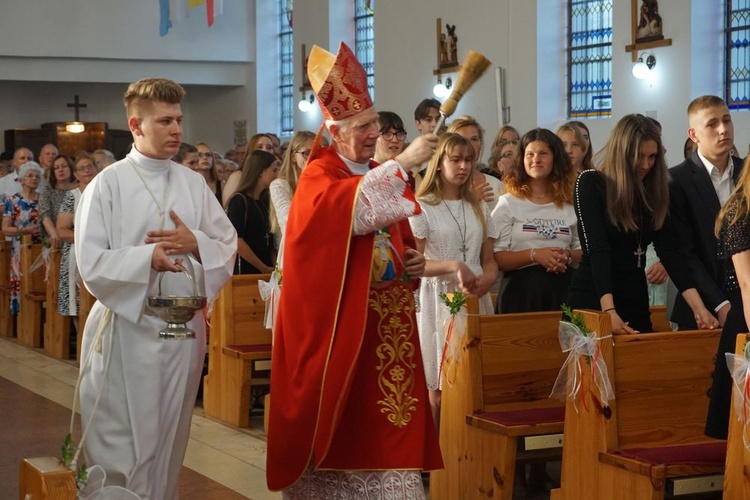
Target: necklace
column 151, row 194
column 461, row 232
column 266, row 220
column 639, row 251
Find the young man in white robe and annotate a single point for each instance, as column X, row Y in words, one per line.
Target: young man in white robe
column 143, row 216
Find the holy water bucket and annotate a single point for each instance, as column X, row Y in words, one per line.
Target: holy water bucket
column 177, row 310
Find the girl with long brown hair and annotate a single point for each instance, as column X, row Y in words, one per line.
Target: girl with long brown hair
column 621, row 208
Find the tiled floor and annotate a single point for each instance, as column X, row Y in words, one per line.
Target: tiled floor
column 36, row 395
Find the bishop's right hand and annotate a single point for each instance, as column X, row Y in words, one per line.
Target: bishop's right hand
column 419, row 151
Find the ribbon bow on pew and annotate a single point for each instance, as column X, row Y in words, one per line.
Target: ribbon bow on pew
column 579, row 344
column 739, row 367
column 270, row 291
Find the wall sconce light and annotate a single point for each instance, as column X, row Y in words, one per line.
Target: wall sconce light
column 306, row 103
column 441, row 90
column 641, row 68
column 74, row 127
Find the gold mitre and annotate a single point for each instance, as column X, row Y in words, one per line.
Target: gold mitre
column 339, row 81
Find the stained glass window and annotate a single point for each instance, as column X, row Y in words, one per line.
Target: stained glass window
column 738, row 54
column 286, row 68
column 364, row 40
column 589, row 58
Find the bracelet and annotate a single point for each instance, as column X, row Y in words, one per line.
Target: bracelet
column 533, row 255
column 610, row 309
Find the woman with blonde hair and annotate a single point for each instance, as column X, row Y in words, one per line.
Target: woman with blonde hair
column 577, row 147
column 486, row 186
column 733, row 245
column 455, row 233
column 283, row 187
column 538, row 246
column 621, row 208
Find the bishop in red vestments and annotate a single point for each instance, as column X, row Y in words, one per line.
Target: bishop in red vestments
column 349, row 407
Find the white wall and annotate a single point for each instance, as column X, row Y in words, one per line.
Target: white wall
column 50, row 51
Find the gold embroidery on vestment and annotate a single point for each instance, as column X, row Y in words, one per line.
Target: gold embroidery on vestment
column 396, row 370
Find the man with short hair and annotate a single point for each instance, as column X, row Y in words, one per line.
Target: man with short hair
column 143, row 216
column 47, row 156
column 9, row 184
column 349, row 407
column 698, row 187
column 426, row 116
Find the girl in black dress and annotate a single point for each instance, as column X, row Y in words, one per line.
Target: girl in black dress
column 621, row 208
column 248, row 210
column 733, row 233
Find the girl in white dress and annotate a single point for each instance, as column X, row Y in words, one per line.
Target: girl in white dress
column 455, row 233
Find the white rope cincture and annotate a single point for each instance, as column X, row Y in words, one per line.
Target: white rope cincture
column 578, row 344
column 96, row 346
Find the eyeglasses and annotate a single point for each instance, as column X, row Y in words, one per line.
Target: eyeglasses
column 305, row 154
column 509, row 154
column 205, row 155
column 83, row 168
column 389, row 135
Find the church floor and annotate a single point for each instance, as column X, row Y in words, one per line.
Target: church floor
column 36, row 394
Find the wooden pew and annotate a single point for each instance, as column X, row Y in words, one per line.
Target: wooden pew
column 32, row 294
column 659, row 319
column 239, row 345
column 6, row 318
column 737, row 467
column 56, row 327
column 499, row 404
column 651, row 435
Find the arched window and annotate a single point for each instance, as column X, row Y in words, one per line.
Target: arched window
column 589, row 58
column 737, row 44
column 364, row 40
column 286, row 68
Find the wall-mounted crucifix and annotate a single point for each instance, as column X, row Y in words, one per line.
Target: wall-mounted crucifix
column 77, row 105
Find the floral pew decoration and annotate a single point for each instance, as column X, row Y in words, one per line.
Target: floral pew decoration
column 581, row 344
column 739, row 367
column 454, row 327
column 270, row 291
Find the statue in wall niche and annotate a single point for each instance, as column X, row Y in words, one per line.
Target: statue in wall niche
column 449, row 47
column 650, row 22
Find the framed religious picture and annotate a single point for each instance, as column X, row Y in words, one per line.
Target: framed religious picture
column 649, row 22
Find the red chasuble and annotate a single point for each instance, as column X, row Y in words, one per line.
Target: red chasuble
column 347, row 382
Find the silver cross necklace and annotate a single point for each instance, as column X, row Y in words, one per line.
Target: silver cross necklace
column 461, row 232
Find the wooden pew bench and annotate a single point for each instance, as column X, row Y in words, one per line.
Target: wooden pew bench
column 239, row 347
column 737, row 475
column 6, row 318
column 56, row 327
column 649, row 439
column 32, row 295
column 498, row 411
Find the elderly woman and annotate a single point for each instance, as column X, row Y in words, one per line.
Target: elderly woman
column 390, row 142
column 21, row 216
column 52, row 194
column 67, row 292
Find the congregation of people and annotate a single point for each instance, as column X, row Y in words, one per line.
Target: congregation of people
column 548, row 220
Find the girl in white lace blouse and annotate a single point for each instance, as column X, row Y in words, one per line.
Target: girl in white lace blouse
column 455, row 233
column 282, row 188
